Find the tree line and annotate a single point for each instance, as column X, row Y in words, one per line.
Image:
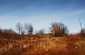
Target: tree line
column 57, row 29
column 7, row 31
column 27, row 27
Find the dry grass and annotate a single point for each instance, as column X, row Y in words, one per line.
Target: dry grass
column 42, row 45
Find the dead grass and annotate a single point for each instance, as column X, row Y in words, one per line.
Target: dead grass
column 44, row 45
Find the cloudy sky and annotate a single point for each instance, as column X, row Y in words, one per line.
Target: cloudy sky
column 40, row 13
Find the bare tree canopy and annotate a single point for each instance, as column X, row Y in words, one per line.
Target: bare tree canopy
column 28, row 28
column 41, row 31
column 58, row 29
column 19, row 27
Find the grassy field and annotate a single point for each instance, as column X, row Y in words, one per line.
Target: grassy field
column 43, row 45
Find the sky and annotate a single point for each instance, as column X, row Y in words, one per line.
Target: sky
column 41, row 13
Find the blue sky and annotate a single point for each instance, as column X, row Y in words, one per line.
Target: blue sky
column 40, row 13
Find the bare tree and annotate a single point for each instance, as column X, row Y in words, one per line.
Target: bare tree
column 58, row 29
column 29, row 28
column 41, row 31
column 22, row 32
column 19, row 27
